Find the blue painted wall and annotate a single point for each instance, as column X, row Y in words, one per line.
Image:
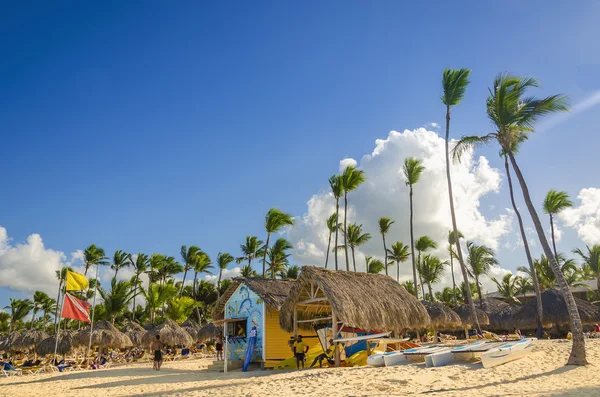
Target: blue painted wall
column 246, row 304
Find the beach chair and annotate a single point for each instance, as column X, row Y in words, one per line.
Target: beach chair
column 11, row 371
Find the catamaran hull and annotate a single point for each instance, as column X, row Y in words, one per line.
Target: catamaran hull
column 376, row 360
column 395, row 358
column 507, row 353
column 439, row 358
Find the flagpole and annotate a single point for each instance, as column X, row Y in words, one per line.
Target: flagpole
column 93, row 309
column 58, row 328
column 57, row 304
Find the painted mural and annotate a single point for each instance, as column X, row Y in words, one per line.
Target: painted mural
column 244, row 304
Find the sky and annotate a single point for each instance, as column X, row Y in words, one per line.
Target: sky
column 143, row 126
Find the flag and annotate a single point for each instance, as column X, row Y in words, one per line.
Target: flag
column 76, row 281
column 76, row 309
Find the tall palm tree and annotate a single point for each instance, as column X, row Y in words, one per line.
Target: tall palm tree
column 523, row 285
column 514, row 114
column 117, row 298
column 398, row 254
column 591, row 261
column 351, row 180
column 337, row 190
column 373, row 265
column 275, row 220
column 481, row 259
column 431, row 269
column 508, row 287
column 454, row 83
column 93, row 255
column 355, row 238
column 452, row 254
column 187, row 256
column 409, row 286
column 120, row 260
column 141, row 266
column 247, row 271
column 384, row 227
column 278, row 256
column 423, row 244
column 223, row 260
column 555, row 202
column 39, row 297
column 546, row 277
column 413, row 169
column 201, row 264
column 19, row 309
column 48, row 306
column 251, row 249
column 332, row 226
column 446, row 296
column 291, row 273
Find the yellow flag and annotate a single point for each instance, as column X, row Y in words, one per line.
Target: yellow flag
column 76, row 281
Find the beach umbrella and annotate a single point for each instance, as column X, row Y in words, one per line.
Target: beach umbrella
column 29, row 339
column 209, row 331
column 442, row 317
column 104, row 335
column 501, row 319
column 135, row 332
column 192, row 328
column 170, row 333
column 467, row 319
column 555, row 311
column 9, row 343
column 65, row 344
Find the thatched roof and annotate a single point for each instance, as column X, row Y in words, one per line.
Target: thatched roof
column 65, row 344
column 442, row 317
column 272, row 292
column 466, row 316
column 491, row 305
column 209, row 331
column 502, row 319
column 30, row 339
column 192, row 328
column 555, row 311
column 135, row 332
column 368, row 301
column 104, row 334
column 170, row 333
column 9, row 342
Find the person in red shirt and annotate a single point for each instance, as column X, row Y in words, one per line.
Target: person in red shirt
column 596, row 328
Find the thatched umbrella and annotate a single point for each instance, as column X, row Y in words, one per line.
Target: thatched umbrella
column 104, row 335
column 192, row 328
column 65, row 345
column 9, row 343
column 135, row 332
column 502, row 319
column 30, row 339
column 208, row 331
column 467, row 319
column 555, row 311
column 170, row 333
column 442, row 317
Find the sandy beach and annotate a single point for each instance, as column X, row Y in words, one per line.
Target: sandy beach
column 542, row 373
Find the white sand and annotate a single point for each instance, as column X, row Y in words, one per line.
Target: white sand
column 542, row 373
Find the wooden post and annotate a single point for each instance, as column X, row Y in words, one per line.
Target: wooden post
column 334, row 331
column 295, row 321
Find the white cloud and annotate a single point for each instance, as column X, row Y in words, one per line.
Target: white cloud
column 585, row 218
column 386, row 194
column 346, row 163
column 228, row 273
column 432, row 125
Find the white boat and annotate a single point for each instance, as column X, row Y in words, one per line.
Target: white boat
column 417, row 355
column 507, row 352
column 395, row 358
column 472, row 353
column 376, row 360
column 446, row 356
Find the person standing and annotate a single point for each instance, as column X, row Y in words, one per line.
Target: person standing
column 219, row 346
column 157, row 346
column 300, row 349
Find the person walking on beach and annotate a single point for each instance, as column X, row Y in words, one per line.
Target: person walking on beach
column 157, row 346
column 219, row 346
column 300, row 349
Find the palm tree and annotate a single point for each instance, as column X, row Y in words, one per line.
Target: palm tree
column 513, row 114
column 291, row 273
column 452, row 254
column 355, row 238
column 157, row 296
column 247, row 271
column 409, row 286
column 223, row 260
column 141, row 266
column 332, row 226
column 250, row 250
column 187, row 256
column 179, row 309
column 508, row 287
column 278, row 256
column 398, row 254
column 120, row 260
column 117, row 299
column 431, row 270
column 39, row 297
column 19, row 309
column 337, row 190
column 546, row 277
column 48, row 306
column 373, row 266
column 480, row 259
column 168, row 268
column 275, row 220
column 554, row 203
column 201, row 264
column 423, row 244
column 591, row 262
column 412, row 169
column 446, row 296
column 454, row 83
column 384, row 228
column 351, row 180
column 93, row 256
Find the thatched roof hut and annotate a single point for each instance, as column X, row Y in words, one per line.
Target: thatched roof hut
column 9, row 342
column 170, row 334
column 135, row 332
column 192, row 328
column 65, row 344
column 362, row 300
column 555, row 311
column 208, row 331
column 466, row 316
column 29, row 339
column 442, row 317
column 104, row 334
column 491, row 305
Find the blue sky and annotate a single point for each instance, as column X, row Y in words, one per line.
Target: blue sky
column 144, row 126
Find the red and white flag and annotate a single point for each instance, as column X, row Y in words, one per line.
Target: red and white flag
column 76, row 309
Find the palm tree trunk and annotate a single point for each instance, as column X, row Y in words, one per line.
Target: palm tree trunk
column 116, row 271
column 412, row 245
column 463, row 268
column 420, row 277
column 453, row 281
column 553, row 239
column 219, row 284
column 32, row 319
column 431, row 298
column 398, row 272
column 353, row 260
column 265, row 255
column 183, row 282
column 385, row 254
column 328, row 248
column 346, row 230
column 337, row 211
column 479, row 292
column 195, row 293
column 536, row 285
column 578, row 354
column 137, row 276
